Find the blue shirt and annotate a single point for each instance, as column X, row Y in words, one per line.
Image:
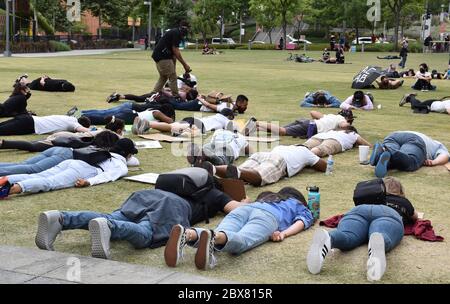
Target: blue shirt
column 287, row 213
column 332, row 101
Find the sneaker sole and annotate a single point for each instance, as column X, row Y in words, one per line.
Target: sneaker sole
column 373, row 156
column 381, row 168
column 41, row 239
column 315, row 252
column 171, row 249
column 134, row 128
column 232, row 172
column 376, row 264
column 97, row 249
column 202, row 256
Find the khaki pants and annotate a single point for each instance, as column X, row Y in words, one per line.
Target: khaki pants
column 325, row 146
column 167, row 71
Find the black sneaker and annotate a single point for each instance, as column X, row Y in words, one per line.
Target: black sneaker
column 113, row 97
column 207, row 166
column 232, row 172
column 194, row 154
column 204, row 257
column 72, row 111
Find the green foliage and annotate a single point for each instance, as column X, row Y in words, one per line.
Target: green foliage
column 55, row 13
column 176, row 11
column 99, row 44
column 56, row 46
column 80, row 28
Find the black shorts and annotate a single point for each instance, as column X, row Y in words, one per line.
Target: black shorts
column 298, row 128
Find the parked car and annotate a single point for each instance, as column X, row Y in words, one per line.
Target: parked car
column 258, row 42
column 367, row 40
column 224, row 41
column 297, row 41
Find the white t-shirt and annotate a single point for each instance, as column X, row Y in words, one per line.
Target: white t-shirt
column 215, row 122
column 55, row 123
column 147, row 115
column 180, row 83
column 220, row 107
column 235, row 141
column 440, row 106
column 296, row 158
column 426, row 74
column 347, row 140
column 111, row 170
column 329, row 122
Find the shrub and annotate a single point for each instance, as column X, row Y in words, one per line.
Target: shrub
column 27, row 47
column 56, row 46
column 99, row 44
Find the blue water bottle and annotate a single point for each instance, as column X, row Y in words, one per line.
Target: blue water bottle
column 314, row 201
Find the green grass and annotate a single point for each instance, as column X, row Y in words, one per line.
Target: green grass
column 274, row 87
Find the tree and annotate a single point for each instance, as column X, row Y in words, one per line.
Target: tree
column 55, row 13
column 176, row 11
column 264, row 15
column 110, row 11
column 284, row 8
column 205, row 18
column 397, row 6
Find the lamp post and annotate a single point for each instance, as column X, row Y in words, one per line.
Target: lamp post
column 149, row 29
column 7, row 52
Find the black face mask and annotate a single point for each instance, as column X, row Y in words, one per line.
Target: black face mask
column 28, row 95
column 422, row 70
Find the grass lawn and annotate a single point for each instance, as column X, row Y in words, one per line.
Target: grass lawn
column 275, row 87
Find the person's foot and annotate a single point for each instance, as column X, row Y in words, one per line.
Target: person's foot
column 382, row 164
column 100, row 238
column 204, row 257
column 113, row 97
column 230, row 126
column 140, row 126
column 232, row 172
column 320, row 248
column 405, row 99
column 208, row 167
column 376, row 153
column 250, row 127
column 195, row 154
column 174, row 250
column 370, row 96
column 72, row 111
column 49, row 226
column 402, row 82
column 5, row 190
column 376, row 263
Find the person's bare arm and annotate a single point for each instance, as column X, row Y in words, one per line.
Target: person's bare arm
column 321, row 165
column 316, row 115
column 162, row 117
column 295, row 228
column 82, row 129
column 362, row 142
column 177, row 54
column 207, row 104
column 442, row 159
column 448, row 111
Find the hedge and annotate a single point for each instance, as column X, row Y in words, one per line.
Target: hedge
column 99, row 44
column 56, row 46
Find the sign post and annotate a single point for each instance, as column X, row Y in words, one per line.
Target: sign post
column 7, row 52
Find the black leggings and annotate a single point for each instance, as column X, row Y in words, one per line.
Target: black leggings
column 136, row 98
column 30, row 146
column 19, row 125
column 417, row 104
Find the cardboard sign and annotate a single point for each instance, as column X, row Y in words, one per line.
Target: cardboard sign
column 262, row 139
column 234, row 188
column 147, row 178
column 148, row 144
column 165, row 138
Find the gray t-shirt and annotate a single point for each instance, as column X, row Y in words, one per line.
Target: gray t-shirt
column 433, row 147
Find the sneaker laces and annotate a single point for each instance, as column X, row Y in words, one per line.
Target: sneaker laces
column 183, row 243
column 212, row 258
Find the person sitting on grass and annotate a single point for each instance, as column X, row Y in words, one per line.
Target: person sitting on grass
column 424, row 78
column 63, row 138
column 381, row 226
column 224, row 148
column 273, row 216
column 334, row 142
column 16, row 103
column 45, row 83
column 320, row 99
column 321, row 123
column 264, row 168
column 358, row 101
column 82, row 171
column 24, row 124
column 431, row 105
column 144, row 220
column 389, row 84
column 407, row 151
column 392, row 72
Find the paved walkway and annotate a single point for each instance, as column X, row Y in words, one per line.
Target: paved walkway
column 20, row 265
column 73, row 53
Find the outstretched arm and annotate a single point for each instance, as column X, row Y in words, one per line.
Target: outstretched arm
column 177, row 54
column 207, row 104
column 362, row 142
column 442, row 159
column 316, row 115
column 162, row 117
column 295, row 228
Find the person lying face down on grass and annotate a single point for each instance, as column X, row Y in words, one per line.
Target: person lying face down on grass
column 224, row 148
column 389, row 84
column 63, row 138
column 128, row 112
column 320, row 99
column 264, row 168
column 430, row 105
column 407, row 151
column 334, row 142
column 273, row 216
column 24, row 124
column 16, row 103
column 191, row 125
column 144, row 220
column 45, row 83
column 381, row 226
column 358, row 101
column 90, row 171
column 104, row 140
column 299, row 128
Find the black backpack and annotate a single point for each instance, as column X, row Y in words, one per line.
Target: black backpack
column 190, row 183
column 73, row 141
column 91, row 155
column 370, row 192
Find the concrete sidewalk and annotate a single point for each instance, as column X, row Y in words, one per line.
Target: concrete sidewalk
column 73, row 53
column 20, row 265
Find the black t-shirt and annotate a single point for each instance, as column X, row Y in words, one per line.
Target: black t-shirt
column 215, row 201
column 163, row 49
column 402, row 205
column 52, row 85
column 14, row 105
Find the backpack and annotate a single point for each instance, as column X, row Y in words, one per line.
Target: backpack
column 370, row 192
column 191, row 183
column 91, row 155
column 73, row 141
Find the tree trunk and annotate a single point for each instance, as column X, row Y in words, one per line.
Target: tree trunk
column 284, row 28
column 100, row 26
column 397, row 26
column 270, row 35
column 221, row 25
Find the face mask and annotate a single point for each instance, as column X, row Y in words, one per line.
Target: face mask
column 422, row 70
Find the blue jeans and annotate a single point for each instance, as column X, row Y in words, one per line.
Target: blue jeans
column 123, row 111
column 63, row 175
column 138, row 234
column 45, row 160
column 408, row 151
column 246, row 227
column 192, row 105
column 357, row 225
column 403, row 62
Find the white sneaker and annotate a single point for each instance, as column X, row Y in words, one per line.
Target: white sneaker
column 204, row 257
column 100, row 238
column 320, row 247
column 49, row 226
column 376, row 264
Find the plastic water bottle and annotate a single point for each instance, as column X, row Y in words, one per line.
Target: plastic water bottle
column 330, row 165
column 314, row 201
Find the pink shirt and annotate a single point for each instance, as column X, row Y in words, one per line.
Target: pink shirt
column 348, row 103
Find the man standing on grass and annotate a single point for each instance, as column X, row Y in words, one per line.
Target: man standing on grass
column 166, row 54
